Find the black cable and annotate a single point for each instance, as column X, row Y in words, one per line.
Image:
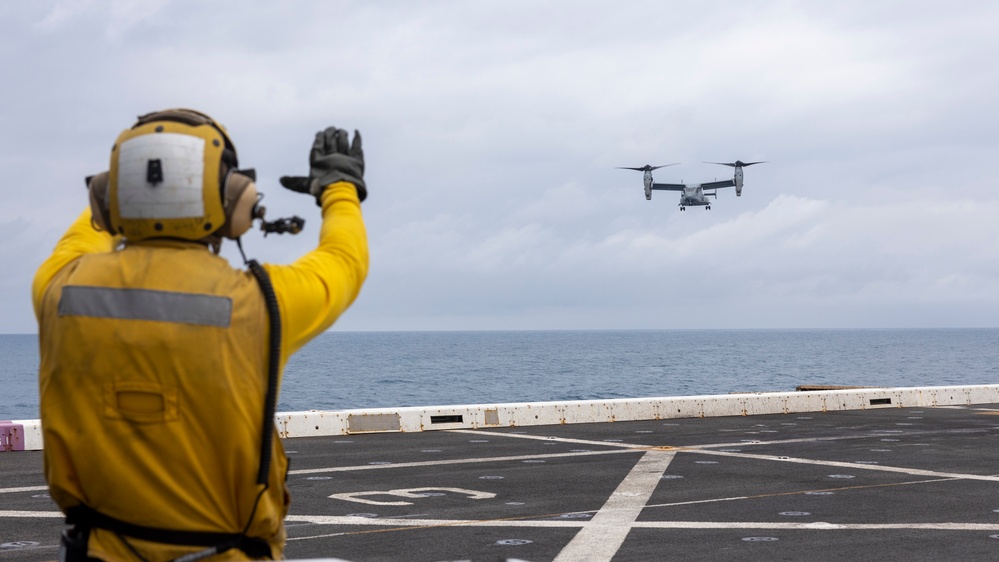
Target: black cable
column 273, row 368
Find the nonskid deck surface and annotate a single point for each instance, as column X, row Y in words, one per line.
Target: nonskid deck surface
column 895, row 483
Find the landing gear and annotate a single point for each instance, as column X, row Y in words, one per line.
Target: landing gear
column 683, row 208
column 707, row 207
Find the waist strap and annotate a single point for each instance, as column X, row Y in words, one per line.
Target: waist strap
column 86, row 517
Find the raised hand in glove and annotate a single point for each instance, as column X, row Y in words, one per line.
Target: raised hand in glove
column 332, row 159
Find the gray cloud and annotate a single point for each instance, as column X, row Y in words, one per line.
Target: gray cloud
column 492, row 130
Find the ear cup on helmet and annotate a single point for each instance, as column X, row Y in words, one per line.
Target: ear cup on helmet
column 240, row 200
column 100, row 206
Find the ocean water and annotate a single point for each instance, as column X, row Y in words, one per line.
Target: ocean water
column 341, row 370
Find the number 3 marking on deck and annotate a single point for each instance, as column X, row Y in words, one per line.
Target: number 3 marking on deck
column 409, row 493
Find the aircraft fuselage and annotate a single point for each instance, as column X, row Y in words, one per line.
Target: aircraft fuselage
column 694, row 196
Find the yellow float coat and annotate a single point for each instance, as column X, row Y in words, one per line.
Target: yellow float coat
column 153, row 376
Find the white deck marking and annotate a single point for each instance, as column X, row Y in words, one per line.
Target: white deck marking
column 455, row 461
column 853, row 465
column 31, row 514
column 401, row 522
column 24, row 489
column 754, row 443
column 614, row 448
column 570, row 523
column 797, row 492
column 411, row 493
column 553, row 439
column 602, row 536
column 706, row 450
column 815, row 526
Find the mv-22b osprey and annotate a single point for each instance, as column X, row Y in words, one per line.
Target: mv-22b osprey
column 694, row 195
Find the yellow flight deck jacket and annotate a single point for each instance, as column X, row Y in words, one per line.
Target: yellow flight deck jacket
column 153, row 376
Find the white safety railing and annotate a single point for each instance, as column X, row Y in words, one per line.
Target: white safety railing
column 316, row 423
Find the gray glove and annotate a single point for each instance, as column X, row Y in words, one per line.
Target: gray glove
column 331, row 160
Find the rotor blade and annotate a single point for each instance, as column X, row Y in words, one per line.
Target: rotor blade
column 645, row 168
column 737, row 163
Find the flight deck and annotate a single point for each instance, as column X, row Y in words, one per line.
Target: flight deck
column 889, row 481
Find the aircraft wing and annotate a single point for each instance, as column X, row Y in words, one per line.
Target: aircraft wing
column 717, row 184
column 669, row 186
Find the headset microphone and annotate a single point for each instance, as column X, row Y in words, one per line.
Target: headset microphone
column 291, row 225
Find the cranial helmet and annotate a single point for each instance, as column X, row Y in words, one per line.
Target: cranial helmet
column 174, row 174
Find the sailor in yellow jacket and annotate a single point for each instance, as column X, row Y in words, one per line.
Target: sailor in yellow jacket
column 160, row 362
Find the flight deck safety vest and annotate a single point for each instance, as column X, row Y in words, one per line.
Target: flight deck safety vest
column 153, row 378
column 159, row 390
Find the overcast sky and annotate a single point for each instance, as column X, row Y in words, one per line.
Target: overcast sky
column 492, row 130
